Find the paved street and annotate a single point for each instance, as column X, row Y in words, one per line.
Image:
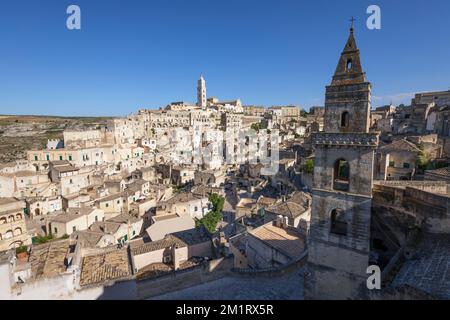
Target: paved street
column 286, row 287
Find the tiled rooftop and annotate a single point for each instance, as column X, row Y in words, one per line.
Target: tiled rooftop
column 106, row 266
column 167, row 242
column 48, row 260
column 288, row 209
column 442, row 172
column 285, row 240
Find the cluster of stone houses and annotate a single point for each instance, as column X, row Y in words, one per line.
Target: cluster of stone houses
column 112, row 203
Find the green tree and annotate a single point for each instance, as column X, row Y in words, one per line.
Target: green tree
column 308, row 166
column 256, row 127
column 21, row 249
column 212, row 218
column 42, row 239
column 423, row 160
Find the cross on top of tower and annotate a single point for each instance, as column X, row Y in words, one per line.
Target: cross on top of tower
column 352, row 20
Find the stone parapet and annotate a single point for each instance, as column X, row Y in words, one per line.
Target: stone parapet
column 346, row 139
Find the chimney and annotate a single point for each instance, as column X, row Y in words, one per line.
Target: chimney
column 285, row 222
column 175, row 258
column 279, row 220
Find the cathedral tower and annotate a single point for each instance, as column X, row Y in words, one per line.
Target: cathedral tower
column 201, row 92
column 339, row 240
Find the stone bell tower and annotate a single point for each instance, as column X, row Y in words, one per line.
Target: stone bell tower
column 201, row 92
column 339, row 240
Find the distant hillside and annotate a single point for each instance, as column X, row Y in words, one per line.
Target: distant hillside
column 21, row 133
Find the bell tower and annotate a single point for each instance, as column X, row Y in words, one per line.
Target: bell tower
column 339, row 239
column 201, row 92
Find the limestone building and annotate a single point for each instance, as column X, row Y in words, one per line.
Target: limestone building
column 339, row 241
column 13, row 230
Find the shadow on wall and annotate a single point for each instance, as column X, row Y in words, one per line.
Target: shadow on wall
column 123, row 290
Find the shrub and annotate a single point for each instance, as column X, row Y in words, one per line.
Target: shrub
column 42, row 239
column 21, row 249
column 308, row 166
column 212, row 218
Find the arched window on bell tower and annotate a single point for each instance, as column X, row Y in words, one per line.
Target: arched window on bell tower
column 341, row 175
column 338, row 222
column 345, row 119
column 349, row 64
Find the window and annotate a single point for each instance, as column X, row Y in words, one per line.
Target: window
column 60, row 158
column 107, row 205
column 74, row 228
column 71, row 181
column 344, row 119
column 406, row 165
column 391, row 164
column 9, row 234
column 70, row 157
column 55, row 230
column 196, row 209
column 35, row 158
column 341, row 175
column 17, row 231
column 338, row 222
column 47, row 157
column 96, row 218
column 349, row 64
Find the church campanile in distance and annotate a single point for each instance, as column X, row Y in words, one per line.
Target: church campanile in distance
column 339, row 239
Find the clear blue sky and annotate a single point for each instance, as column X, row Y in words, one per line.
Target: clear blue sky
column 134, row 54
